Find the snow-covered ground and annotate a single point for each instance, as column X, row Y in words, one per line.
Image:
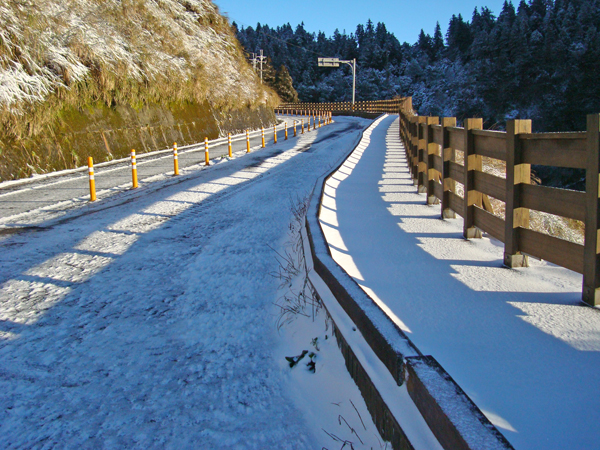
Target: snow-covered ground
column 518, row 341
column 147, row 319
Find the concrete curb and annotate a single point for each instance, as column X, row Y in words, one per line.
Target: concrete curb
column 450, row 414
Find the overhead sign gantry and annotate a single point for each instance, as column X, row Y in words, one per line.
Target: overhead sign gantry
column 335, row 62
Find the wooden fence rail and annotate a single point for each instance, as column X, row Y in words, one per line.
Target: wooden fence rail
column 392, row 106
column 431, row 150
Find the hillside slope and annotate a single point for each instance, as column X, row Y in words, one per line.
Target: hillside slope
column 80, row 78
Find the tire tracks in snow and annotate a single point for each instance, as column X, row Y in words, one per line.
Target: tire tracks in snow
column 148, row 337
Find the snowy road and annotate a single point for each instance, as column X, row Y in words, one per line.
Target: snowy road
column 519, row 342
column 146, row 319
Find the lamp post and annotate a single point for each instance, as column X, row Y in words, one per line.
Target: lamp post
column 335, row 62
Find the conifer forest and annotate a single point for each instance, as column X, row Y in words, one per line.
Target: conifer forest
column 538, row 60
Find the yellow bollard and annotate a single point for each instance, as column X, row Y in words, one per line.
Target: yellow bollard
column 294, row 128
column 308, row 124
column 134, row 170
column 275, row 134
column 262, row 135
column 229, row 143
column 285, row 128
column 206, row 157
column 302, row 126
column 247, row 141
column 175, row 160
column 92, row 179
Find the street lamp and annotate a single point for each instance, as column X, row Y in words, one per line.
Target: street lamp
column 335, row 62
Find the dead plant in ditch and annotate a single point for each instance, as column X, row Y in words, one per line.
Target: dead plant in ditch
column 299, row 297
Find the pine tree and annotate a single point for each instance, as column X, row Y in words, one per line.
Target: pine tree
column 437, row 45
column 284, row 85
column 459, row 38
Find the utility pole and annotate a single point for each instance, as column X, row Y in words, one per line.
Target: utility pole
column 258, row 58
column 261, row 58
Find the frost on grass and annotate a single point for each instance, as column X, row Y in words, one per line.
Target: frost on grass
column 298, row 297
column 175, row 49
column 339, row 416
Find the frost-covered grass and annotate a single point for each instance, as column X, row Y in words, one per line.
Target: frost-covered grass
column 315, row 366
column 57, row 53
column 298, row 298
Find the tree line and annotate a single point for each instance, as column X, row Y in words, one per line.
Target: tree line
column 539, row 60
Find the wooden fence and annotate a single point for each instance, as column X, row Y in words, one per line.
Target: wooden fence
column 392, row 106
column 431, row 148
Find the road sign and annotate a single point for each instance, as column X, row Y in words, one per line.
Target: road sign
column 335, row 62
column 329, row 62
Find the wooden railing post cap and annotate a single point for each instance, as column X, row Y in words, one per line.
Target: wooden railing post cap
column 473, row 124
column 518, row 126
column 593, row 122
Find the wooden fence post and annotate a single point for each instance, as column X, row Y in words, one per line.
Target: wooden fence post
column 402, row 132
column 421, row 158
column 414, row 140
column 408, row 139
column 471, row 196
column 448, row 155
column 591, row 262
column 419, row 149
column 430, row 152
column 517, row 173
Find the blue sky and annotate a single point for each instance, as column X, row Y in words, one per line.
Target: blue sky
column 401, row 17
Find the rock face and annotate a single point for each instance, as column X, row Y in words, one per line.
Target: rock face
column 81, row 78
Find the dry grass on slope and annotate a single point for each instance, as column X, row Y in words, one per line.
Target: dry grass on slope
column 561, row 227
column 56, row 54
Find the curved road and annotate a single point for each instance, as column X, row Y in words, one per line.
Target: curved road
column 146, row 320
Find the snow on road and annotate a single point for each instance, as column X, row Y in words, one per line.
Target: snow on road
column 146, row 320
column 56, row 192
column 519, row 342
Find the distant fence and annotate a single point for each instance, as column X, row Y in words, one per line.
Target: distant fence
column 392, row 106
column 432, row 147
